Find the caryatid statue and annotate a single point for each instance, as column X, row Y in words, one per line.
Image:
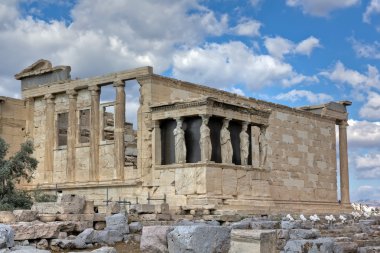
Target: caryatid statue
column 205, row 140
column 180, row 144
column 263, row 147
column 244, row 144
column 225, row 142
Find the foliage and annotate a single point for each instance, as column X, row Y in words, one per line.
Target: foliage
column 12, row 171
column 40, row 196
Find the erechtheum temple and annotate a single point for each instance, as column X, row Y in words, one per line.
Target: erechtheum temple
column 194, row 145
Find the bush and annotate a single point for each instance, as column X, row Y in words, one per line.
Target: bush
column 40, row 196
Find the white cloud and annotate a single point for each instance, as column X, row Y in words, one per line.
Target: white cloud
column 363, row 134
column 218, row 64
column 366, row 192
column 366, row 50
column 368, row 166
column 372, row 8
column 295, row 95
column 357, row 80
column 247, row 28
column 371, row 109
column 278, row 46
column 255, row 3
column 321, row 7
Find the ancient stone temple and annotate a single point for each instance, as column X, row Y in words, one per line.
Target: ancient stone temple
column 194, row 145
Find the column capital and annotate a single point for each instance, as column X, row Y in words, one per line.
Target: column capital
column 72, row 93
column 49, row 97
column 94, row 89
column 343, row 124
column 118, row 83
column 205, row 116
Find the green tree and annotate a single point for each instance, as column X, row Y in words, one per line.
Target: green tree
column 12, row 171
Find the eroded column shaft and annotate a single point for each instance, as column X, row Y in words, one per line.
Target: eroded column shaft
column 343, row 158
column 49, row 138
column 71, row 136
column 94, row 134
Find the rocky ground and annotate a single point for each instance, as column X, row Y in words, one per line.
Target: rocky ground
column 145, row 230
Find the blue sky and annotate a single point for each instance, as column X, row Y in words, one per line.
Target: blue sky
column 292, row 52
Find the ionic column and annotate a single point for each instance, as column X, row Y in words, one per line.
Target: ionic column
column 119, row 130
column 94, row 133
column 343, row 158
column 71, row 135
column 49, row 138
column 156, row 152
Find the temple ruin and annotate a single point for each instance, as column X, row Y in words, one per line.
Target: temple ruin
column 194, row 146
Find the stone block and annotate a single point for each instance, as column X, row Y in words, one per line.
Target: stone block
column 99, row 225
column 304, row 234
column 260, row 241
column 229, row 182
column 135, row 227
column 345, row 247
column 164, row 208
column 117, row 222
column 265, row 224
column 113, row 208
column 99, row 217
column 47, row 208
column 154, row 239
column 82, row 225
column 291, row 224
column 369, row 249
column 25, row 215
column 7, row 217
column 6, row 236
column 72, row 204
column 89, row 207
column 143, row 208
column 199, row 239
column 320, row 245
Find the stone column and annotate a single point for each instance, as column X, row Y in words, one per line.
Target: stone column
column 94, row 133
column 119, row 130
column 29, row 104
column 255, row 133
column 156, row 152
column 71, row 135
column 205, row 139
column 343, row 158
column 49, row 138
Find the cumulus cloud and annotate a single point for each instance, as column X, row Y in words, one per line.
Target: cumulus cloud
column 295, row 95
column 372, row 8
column 363, row 134
column 366, row 50
column 371, row 109
column 247, row 28
column 278, row 46
column 321, row 7
column 354, row 78
column 368, row 166
column 218, row 64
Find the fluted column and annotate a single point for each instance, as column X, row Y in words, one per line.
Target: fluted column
column 71, row 136
column 94, row 133
column 49, row 138
column 343, row 158
column 29, row 103
column 119, row 130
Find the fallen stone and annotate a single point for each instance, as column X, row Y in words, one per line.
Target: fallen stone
column 82, row 225
column 360, row 236
column 47, row 208
column 243, row 240
column 7, row 217
column 87, row 235
column 62, row 235
column 39, row 230
column 100, row 250
column 42, row 244
column 89, row 207
column 243, row 224
column 304, row 234
column 282, row 234
column 320, row 245
column 199, row 239
column 58, row 244
column 143, row 208
column 369, row 249
column 72, row 203
column 265, row 224
column 291, row 224
column 25, row 215
column 117, row 222
column 113, row 208
column 28, row 249
column 154, row 239
column 108, row 237
column 45, row 217
column 345, row 247
column 135, row 227
column 6, row 236
column 99, row 225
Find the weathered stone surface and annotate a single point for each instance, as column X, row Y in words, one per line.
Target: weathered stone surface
column 6, row 236
column 28, row 249
column 291, row 224
column 261, row 241
column 154, row 239
column 7, row 217
column 345, row 247
column 118, row 222
column 25, row 215
column 320, row 245
column 57, row 244
column 369, row 249
column 99, row 225
column 265, row 224
column 243, row 224
column 113, row 208
column 39, row 230
column 42, row 244
column 100, row 250
column 143, row 208
column 46, row 217
column 107, row 236
column 304, row 234
column 87, row 235
column 89, row 207
column 47, row 208
column 135, row 227
column 360, row 236
column 72, row 204
column 199, row 239
column 82, row 225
